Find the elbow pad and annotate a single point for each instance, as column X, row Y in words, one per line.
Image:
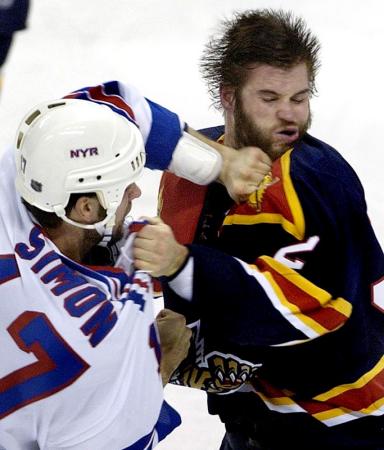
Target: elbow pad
column 195, row 160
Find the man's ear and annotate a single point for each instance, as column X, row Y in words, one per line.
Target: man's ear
column 227, row 98
column 85, row 210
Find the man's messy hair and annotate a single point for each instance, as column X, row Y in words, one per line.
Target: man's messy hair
column 265, row 36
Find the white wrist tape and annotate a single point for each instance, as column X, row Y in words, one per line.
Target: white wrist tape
column 195, row 160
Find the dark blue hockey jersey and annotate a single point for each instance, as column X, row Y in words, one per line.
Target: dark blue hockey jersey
column 288, row 294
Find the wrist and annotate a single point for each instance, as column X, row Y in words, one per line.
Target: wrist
column 228, row 154
column 178, row 262
column 165, row 372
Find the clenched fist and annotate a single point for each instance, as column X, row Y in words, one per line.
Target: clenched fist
column 156, row 250
column 243, row 170
column 174, row 340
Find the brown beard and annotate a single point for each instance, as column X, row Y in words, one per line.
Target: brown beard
column 248, row 133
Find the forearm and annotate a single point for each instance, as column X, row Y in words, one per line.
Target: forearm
column 242, row 170
column 227, row 154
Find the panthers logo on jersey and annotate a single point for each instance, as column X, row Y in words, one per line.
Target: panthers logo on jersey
column 213, row 372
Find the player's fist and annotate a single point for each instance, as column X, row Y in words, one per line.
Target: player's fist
column 175, row 339
column 156, row 250
column 243, row 170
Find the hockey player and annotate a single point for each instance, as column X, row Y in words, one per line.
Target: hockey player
column 285, row 290
column 81, row 363
column 80, row 352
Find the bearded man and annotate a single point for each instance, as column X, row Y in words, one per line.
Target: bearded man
column 283, row 290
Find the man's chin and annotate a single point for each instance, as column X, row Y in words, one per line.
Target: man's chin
column 277, row 149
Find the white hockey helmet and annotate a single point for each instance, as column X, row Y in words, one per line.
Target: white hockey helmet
column 69, row 146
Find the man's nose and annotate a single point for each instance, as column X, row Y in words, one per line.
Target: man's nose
column 286, row 112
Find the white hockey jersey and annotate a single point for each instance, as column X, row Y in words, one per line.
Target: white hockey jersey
column 79, row 350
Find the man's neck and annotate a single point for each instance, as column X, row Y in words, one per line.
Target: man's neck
column 70, row 241
column 228, row 141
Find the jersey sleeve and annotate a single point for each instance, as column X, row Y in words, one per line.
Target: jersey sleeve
column 161, row 128
column 269, row 303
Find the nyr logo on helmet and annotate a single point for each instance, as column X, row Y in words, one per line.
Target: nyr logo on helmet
column 83, row 152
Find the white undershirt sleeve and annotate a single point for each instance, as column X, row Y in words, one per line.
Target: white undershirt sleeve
column 182, row 284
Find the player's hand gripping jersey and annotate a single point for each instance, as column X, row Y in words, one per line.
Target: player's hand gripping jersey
column 79, row 348
column 295, row 317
